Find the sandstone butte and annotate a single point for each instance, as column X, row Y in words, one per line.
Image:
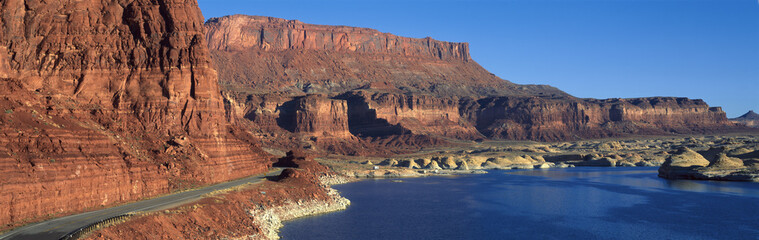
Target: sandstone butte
column 109, row 101
column 405, row 92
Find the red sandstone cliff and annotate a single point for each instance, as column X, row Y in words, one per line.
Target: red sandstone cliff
column 239, row 33
column 380, row 114
column 560, row 119
column 320, row 116
column 270, row 54
column 315, row 122
column 107, row 101
column 399, row 90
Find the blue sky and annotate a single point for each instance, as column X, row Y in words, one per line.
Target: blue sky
column 707, row 49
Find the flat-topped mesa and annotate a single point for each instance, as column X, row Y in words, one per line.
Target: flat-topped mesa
column 262, row 54
column 240, row 32
column 667, row 111
column 395, row 86
column 561, row 119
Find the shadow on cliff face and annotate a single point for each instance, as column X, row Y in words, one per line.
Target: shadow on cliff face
column 293, row 159
column 286, row 119
column 363, row 121
column 301, row 167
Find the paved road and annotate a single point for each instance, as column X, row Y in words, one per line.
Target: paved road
column 57, row 228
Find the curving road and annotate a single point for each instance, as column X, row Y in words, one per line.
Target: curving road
column 58, row 227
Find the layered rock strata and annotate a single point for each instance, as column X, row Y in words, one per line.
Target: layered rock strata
column 560, row 119
column 401, row 91
column 380, row 114
column 276, row 55
column 320, row 116
column 239, row 32
column 109, row 101
column 314, row 122
column 143, row 57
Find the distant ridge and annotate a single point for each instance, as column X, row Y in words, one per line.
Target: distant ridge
column 749, row 115
column 750, row 119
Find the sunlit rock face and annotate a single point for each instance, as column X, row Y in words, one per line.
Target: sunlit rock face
column 272, row 54
column 94, row 92
column 561, row 119
column 397, row 86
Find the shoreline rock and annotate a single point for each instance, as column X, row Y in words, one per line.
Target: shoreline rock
column 253, row 212
column 688, row 164
column 271, row 219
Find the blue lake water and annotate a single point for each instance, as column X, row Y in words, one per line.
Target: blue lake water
column 573, row 203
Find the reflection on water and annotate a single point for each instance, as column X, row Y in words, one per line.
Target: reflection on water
column 644, row 178
column 573, row 203
column 742, row 188
column 583, row 172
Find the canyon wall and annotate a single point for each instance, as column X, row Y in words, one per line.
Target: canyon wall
column 559, row 119
column 397, row 89
column 146, row 57
column 314, row 122
column 668, row 113
column 311, row 115
column 264, row 54
column 353, row 123
column 320, row 116
column 378, row 114
column 108, row 101
column 240, row 32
